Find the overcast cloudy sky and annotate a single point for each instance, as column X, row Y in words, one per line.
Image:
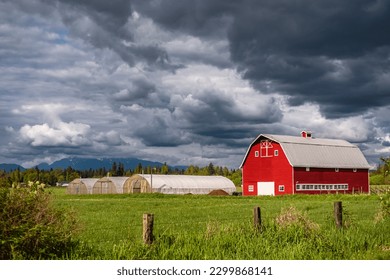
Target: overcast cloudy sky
column 189, row 81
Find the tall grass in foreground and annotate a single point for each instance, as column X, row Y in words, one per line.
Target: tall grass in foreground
column 291, row 235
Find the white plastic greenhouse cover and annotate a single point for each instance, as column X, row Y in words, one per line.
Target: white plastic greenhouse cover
column 185, row 184
column 117, row 181
column 88, row 182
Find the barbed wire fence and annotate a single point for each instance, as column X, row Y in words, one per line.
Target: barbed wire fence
column 136, row 229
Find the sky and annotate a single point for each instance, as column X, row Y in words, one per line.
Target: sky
column 190, row 81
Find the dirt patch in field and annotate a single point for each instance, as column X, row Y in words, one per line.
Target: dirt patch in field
column 218, row 192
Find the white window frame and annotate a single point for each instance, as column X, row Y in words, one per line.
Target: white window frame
column 256, row 153
column 265, row 145
column 321, row 187
column 281, row 188
column 276, row 153
column 251, row 188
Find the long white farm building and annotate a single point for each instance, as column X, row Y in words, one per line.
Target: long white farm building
column 140, row 183
column 178, row 184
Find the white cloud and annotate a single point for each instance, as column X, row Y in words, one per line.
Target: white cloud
column 63, row 134
column 309, row 117
column 111, row 138
column 189, row 49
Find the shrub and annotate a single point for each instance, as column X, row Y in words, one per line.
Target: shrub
column 31, row 228
column 291, row 217
column 384, row 211
column 377, row 179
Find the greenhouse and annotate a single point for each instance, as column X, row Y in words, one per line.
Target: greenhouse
column 109, row 185
column 81, row 186
column 177, row 184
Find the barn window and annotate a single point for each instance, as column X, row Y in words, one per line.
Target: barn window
column 250, row 188
column 256, row 153
column 319, row 187
column 276, row 153
column 265, row 146
column 281, row 188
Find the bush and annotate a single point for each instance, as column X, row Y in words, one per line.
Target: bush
column 31, row 228
column 384, row 211
column 377, row 179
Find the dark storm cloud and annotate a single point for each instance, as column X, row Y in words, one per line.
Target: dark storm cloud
column 104, row 24
column 160, row 132
column 138, row 90
column 200, row 18
column 194, row 78
column 328, row 52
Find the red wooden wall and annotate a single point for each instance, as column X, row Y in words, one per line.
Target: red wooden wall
column 357, row 181
column 267, row 169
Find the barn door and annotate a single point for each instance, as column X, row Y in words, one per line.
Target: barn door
column 265, row 188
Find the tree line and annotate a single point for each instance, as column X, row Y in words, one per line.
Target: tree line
column 381, row 175
column 54, row 177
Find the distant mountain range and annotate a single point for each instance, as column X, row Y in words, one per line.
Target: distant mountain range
column 90, row 163
column 9, row 167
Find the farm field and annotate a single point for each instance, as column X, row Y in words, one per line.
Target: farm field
column 221, row 227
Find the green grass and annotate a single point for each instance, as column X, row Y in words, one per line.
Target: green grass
column 208, row 227
column 380, row 189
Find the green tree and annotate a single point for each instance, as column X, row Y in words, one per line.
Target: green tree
column 121, row 169
column 16, row 176
column 114, row 169
column 164, row 168
column 386, row 167
column 138, row 169
column 4, row 180
column 210, row 169
column 192, row 170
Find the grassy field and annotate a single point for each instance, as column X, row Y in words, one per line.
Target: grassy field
column 210, row 227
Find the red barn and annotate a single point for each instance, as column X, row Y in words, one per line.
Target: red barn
column 278, row 164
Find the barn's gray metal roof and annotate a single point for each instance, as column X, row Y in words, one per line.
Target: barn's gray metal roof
column 317, row 152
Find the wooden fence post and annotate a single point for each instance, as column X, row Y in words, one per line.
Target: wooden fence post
column 148, row 220
column 257, row 218
column 338, row 214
